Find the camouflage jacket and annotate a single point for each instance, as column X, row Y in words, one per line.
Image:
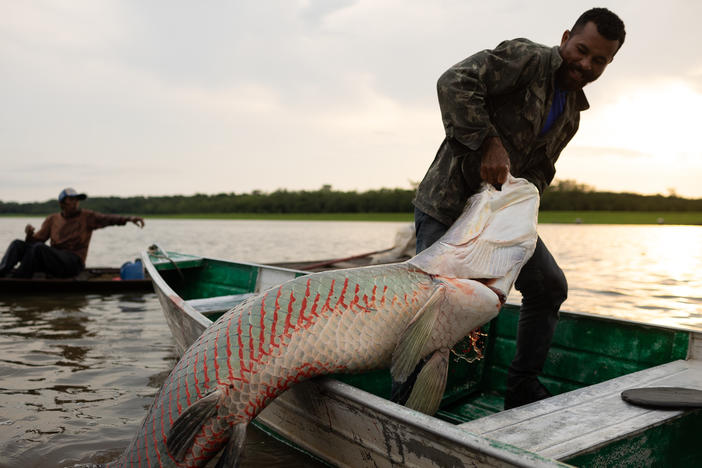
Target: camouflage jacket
column 505, row 92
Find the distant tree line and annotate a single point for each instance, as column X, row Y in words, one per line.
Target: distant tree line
column 324, row 200
column 561, row 196
column 568, row 195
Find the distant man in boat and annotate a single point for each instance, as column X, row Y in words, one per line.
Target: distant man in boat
column 512, row 110
column 69, row 230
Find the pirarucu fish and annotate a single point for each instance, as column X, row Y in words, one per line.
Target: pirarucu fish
column 350, row 320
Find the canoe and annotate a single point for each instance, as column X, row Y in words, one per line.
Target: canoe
column 90, row 280
column 347, row 420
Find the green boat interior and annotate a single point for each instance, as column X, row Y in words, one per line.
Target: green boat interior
column 595, row 356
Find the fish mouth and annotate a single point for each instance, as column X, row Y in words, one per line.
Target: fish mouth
column 500, row 294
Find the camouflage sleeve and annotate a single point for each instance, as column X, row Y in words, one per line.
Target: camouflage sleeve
column 541, row 176
column 464, row 89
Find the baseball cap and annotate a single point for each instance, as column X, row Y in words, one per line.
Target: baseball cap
column 71, row 192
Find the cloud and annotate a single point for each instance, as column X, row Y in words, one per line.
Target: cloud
column 694, row 79
column 172, row 97
column 41, row 27
column 604, row 152
column 316, row 11
column 658, row 117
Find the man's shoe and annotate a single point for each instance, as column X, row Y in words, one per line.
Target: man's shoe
column 526, row 392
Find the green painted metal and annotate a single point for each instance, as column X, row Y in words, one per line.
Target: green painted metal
column 173, row 261
column 587, row 349
column 210, row 278
column 670, row 445
column 376, row 382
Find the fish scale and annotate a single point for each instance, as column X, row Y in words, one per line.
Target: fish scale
column 341, row 321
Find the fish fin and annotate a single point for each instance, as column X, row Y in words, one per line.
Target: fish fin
column 182, row 433
column 232, row 452
column 400, row 391
column 408, row 351
column 431, row 382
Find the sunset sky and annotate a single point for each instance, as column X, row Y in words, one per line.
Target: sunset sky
column 163, row 97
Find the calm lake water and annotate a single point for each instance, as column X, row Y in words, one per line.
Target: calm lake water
column 78, row 372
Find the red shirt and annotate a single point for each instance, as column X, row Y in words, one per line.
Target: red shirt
column 73, row 233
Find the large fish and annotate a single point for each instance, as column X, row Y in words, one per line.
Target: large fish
column 350, row 320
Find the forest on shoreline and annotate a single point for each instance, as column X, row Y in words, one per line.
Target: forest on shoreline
column 567, row 196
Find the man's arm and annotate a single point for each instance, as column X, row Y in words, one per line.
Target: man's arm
column 42, row 235
column 100, row 220
column 138, row 220
column 464, row 92
column 494, row 164
column 28, row 232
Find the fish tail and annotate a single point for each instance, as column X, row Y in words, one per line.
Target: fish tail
column 184, row 430
column 232, row 452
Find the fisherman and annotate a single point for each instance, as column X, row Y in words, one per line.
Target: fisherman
column 69, row 231
column 512, row 110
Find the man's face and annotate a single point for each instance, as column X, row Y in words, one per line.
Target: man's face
column 585, row 55
column 69, row 205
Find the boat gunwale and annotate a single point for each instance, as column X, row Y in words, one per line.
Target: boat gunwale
column 429, row 424
column 77, row 284
column 160, row 285
column 590, row 315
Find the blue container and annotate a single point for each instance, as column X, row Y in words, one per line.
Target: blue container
column 132, row 270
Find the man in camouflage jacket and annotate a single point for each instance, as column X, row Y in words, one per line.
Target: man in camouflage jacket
column 512, row 110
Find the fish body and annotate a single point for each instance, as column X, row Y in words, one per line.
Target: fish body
column 340, row 321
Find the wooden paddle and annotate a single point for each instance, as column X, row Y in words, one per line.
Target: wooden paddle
column 664, row 397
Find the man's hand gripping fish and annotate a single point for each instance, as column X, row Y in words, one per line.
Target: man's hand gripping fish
column 351, row 320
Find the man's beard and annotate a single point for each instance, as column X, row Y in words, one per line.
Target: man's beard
column 572, row 78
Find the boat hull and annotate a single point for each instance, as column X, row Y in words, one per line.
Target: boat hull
column 92, row 280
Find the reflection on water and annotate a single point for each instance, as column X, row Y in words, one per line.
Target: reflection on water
column 73, row 373
column 77, row 372
column 644, row 273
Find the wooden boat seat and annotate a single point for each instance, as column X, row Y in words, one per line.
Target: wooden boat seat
column 576, row 422
column 212, row 305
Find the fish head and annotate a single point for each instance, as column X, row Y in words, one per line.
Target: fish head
column 477, row 303
column 491, row 240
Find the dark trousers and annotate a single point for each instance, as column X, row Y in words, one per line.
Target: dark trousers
column 38, row 257
column 544, row 288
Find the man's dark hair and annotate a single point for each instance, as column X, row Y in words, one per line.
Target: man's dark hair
column 608, row 24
